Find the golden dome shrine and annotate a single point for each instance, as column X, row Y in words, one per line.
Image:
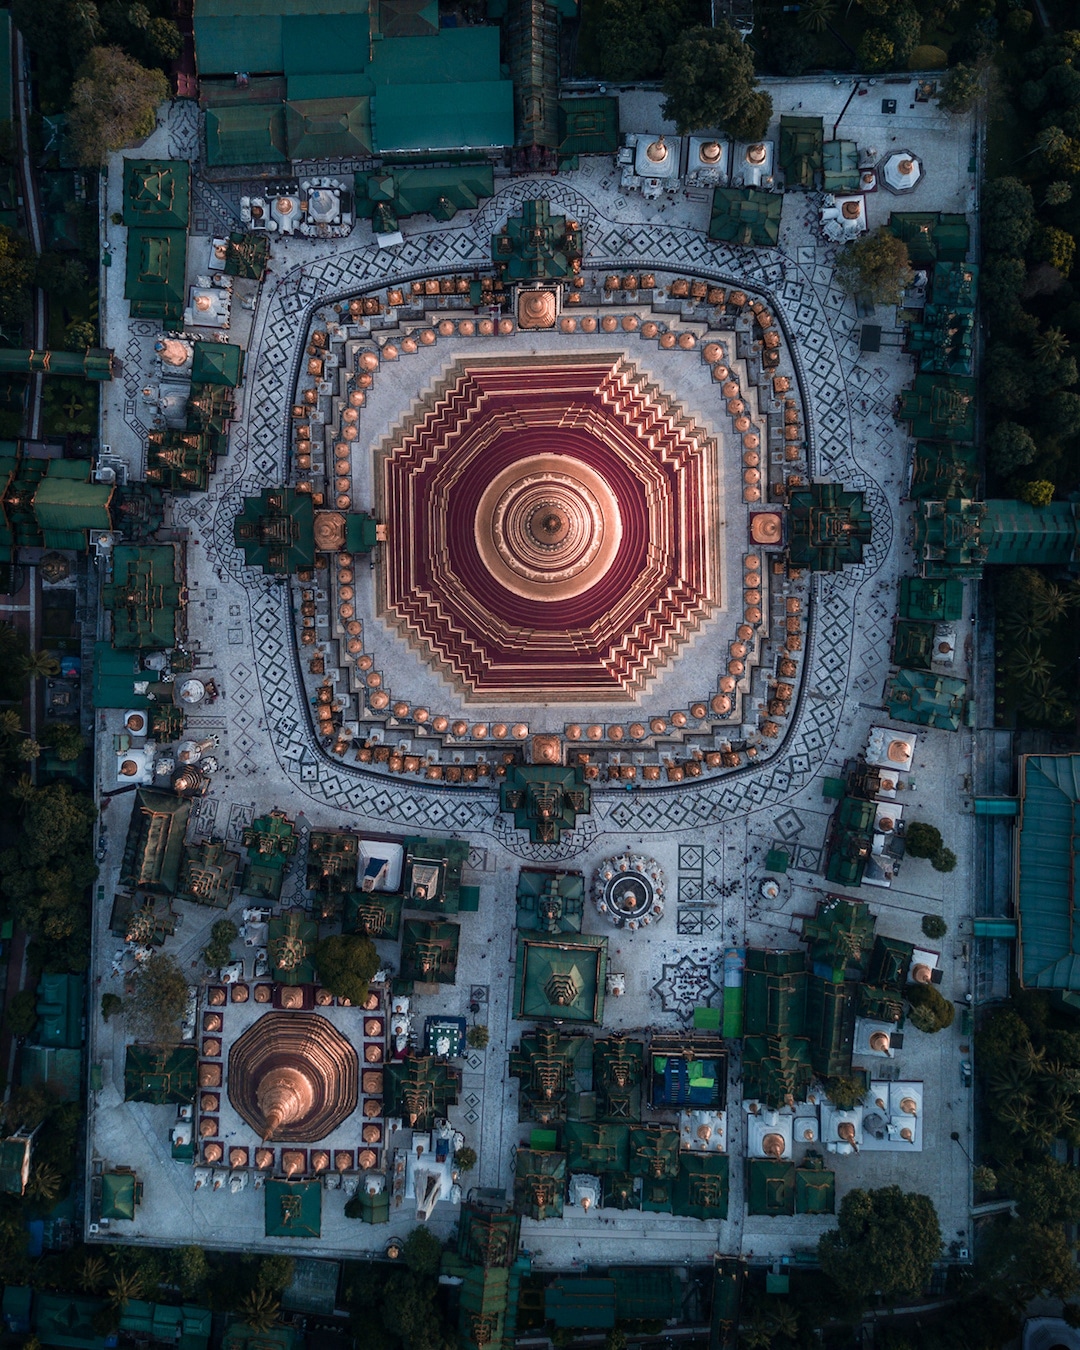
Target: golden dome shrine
column 293, row 1077
column 550, row 525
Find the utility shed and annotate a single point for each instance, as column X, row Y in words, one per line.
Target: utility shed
column 1048, row 949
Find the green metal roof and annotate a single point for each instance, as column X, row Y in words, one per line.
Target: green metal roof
column 1048, row 829
column 63, row 1320
column 647, row 1293
column 155, row 841
column 561, row 976
column 252, row 133
column 545, row 799
column 774, row 984
column 293, row 1209
column 157, row 193
column 588, row 126
column 429, row 951
column 14, row 1164
column 929, row 235
column 943, row 469
column 320, row 43
column 800, row 154
column 118, row 1195
column 580, row 1302
column 154, row 281
column 746, row 216
column 479, row 115
column 408, row 192
column 770, row 1186
column 550, row 901
column 292, row 939
column 701, row 1188
column 829, row 527
column 143, row 597
column 328, row 128
column 220, row 363
column 830, row 1015
column 376, row 914
column 596, row 1148
column 60, row 1010
column 927, row 700
column 276, row 530
column 373, row 1207
column 931, row 598
column 115, row 674
column 67, row 505
column 452, row 56
column 815, row 1191
column 160, row 1076
column 419, row 1088
column 59, row 1071
column 228, row 44
column 539, row 1183
column 840, row 160
column 1016, row 533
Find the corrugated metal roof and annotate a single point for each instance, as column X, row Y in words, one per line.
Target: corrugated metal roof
column 453, row 56
column 231, row 43
column 316, row 44
column 328, row 128
column 251, row 134
column 457, row 116
column 1046, row 871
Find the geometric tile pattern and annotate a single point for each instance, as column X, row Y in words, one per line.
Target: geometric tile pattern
column 820, row 339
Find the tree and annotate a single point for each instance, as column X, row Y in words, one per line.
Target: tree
column 465, row 1159
column 709, row 82
column 1028, row 664
column 61, row 275
column 422, row 1252
column 28, row 750
column 1046, row 1192
column 844, row 1093
column 876, row 51
column 16, row 275
column 477, row 1037
column 113, row 103
column 1036, row 492
column 1011, row 447
column 163, row 40
column 1058, row 193
column 126, row 1285
column 783, row 1320
column 80, row 334
column 816, row 15
column 260, row 1309
column 346, row 964
column 110, row 1003
column 190, row 1270
column 219, row 950
column 66, row 739
column 922, row 840
column 92, row 1272
column 1000, row 285
column 1057, row 247
column 959, row 89
column 934, row 926
column 930, row 1010
column 1007, row 216
column 158, row 999
column 985, row 1181
column 877, row 266
column 615, row 1339
column 1022, row 1260
column 36, row 665
column 275, row 1273
column 44, row 1185
column 1050, row 344
column 631, row 36
column 904, row 29
column 886, row 1242
column 21, row 1014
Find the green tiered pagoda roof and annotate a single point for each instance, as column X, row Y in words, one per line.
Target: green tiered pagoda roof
column 419, row 1088
column 331, row 868
column 539, row 1184
column 145, row 598
column 159, row 1075
column 375, row 914
column 536, row 245
column 828, row 527
column 618, row 1072
column 293, row 1209
column 560, row 977
column 596, row 1149
column 246, row 255
column 701, row 1187
column 432, row 876
column 840, row 935
column 830, row 1017
column 851, row 841
column 148, row 921
column 157, row 192
column 889, row 962
column 270, row 842
column 550, row 902
column 555, row 1073
column 927, row 700
column 179, row 460
column 940, row 407
column 390, row 196
column 913, row 644
column 815, row 1187
column 372, row 1206
column 943, row 469
column 942, row 342
column 208, row 874
column 931, row 236
column 488, row 1238
column 216, row 363
column 931, row 598
column 774, row 992
column 619, row 1190
column 770, row 1186
column 155, row 841
column 958, row 537
column 840, row 162
column 291, row 943
column 155, row 279
column 776, row 1069
column 800, row 155
column 429, row 951
column 654, row 1152
column 546, row 799
column 746, row 216
column 276, row 531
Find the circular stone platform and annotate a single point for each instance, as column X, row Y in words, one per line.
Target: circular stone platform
column 629, row 890
column 293, row 1077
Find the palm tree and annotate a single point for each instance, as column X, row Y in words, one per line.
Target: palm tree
column 1028, row 665
column 23, row 789
column 815, row 15
column 260, row 1309
column 1050, row 603
column 126, row 1285
column 1011, row 1080
column 1041, row 701
column 783, row 1321
column 1021, row 625
column 1016, row 1113
column 92, row 1273
column 10, row 723
column 756, row 1335
column 44, row 1184
column 1050, row 345
column 36, row 664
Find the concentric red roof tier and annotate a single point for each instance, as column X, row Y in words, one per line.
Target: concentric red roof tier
column 549, row 527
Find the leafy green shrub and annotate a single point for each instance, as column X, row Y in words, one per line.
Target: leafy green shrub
column 477, row 1037
column 218, row 952
column 110, row 1003
column 922, row 840
column 21, row 1014
column 934, row 926
column 930, row 1010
